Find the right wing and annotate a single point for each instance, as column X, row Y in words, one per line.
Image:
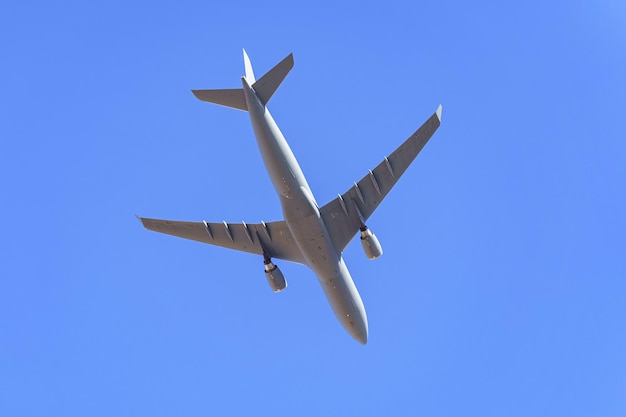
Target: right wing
column 340, row 216
column 273, row 238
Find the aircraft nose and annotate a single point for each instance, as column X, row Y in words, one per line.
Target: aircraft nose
column 359, row 329
column 361, row 337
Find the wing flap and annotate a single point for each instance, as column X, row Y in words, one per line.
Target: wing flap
column 274, row 237
column 341, row 215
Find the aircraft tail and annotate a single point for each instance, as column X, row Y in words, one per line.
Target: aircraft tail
column 268, row 84
column 264, row 87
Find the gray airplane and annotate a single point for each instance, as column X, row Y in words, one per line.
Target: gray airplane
column 310, row 235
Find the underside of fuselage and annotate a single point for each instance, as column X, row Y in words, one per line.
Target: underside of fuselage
column 302, row 216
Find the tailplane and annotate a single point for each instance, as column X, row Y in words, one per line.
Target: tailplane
column 264, row 87
column 230, row 98
column 268, row 84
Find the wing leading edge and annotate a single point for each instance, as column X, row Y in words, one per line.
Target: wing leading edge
column 273, row 238
column 343, row 215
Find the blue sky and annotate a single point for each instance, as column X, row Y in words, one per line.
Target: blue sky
column 501, row 291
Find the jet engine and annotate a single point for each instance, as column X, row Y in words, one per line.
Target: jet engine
column 275, row 277
column 370, row 243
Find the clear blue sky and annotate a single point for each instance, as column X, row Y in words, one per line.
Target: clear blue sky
column 502, row 288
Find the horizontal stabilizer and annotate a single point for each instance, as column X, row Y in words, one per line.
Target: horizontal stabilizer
column 267, row 85
column 233, row 97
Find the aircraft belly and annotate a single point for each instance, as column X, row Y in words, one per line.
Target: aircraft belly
column 303, row 219
column 280, row 162
column 345, row 300
column 316, row 246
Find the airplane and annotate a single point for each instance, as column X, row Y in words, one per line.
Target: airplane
column 309, row 234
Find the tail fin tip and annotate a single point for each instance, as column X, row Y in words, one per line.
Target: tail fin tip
column 248, row 68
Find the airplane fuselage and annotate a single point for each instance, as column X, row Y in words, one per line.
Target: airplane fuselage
column 302, row 216
column 309, row 234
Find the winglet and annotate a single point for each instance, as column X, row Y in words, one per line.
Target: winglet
column 248, row 67
column 141, row 220
column 438, row 112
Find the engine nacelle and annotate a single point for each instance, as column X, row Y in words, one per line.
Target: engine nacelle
column 370, row 243
column 275, row 277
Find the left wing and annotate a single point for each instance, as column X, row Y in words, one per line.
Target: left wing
column 344, row 214
column 273, row 238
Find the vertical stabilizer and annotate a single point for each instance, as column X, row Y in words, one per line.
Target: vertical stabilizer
column 248, row 67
